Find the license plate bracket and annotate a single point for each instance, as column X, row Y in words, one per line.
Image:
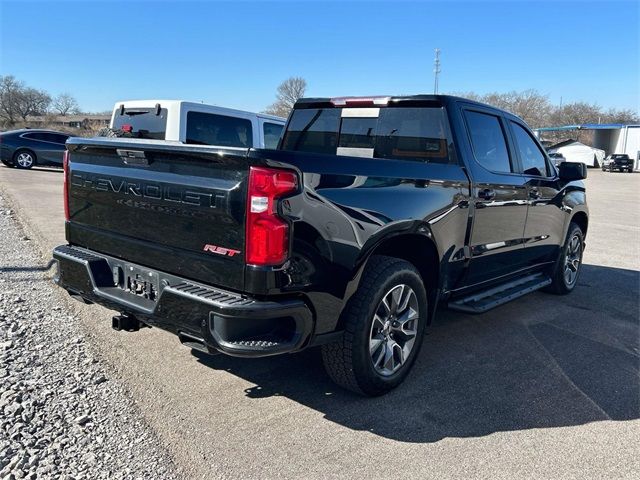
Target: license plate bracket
column 137, row 281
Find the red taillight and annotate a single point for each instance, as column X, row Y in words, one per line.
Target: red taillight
column 267, row 241
column 65, row 166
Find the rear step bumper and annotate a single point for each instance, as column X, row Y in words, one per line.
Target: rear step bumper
column 206, row 318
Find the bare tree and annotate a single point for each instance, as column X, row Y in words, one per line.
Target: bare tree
column 620, row 116
column 530, row 105
column 287, row 95
column 32, row 102
column 65, row 104
column 576, row 113
column 10, row 90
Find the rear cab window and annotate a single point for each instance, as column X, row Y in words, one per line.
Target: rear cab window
column 150, row 123
column 211, row 129
column 401, row 133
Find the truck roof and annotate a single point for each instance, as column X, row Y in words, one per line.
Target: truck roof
column 385, row 100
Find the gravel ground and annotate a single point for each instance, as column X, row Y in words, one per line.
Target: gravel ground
column 62, row 414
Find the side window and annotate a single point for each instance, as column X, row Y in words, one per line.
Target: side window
column 211, row 129
column 533, row 162
column 62, row 139
column 272, row 133
column 52, row 137
column 488, row 142
column 35, row 136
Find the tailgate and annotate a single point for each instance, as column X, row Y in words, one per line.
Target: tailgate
column 176, row 208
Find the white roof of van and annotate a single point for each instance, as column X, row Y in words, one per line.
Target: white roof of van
column 176, row 103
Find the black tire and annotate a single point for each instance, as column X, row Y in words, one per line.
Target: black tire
column 604, row 169
column 19, row 160
column 630, row 170
column 350, row 362
column 561, row 284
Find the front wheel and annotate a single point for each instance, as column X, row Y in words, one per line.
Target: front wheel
column 565, row 278
column 384, row 326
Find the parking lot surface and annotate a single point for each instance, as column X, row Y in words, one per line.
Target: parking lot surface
column 543, row 387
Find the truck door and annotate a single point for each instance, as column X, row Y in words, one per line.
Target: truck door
column 544, row 230
column 500, row 199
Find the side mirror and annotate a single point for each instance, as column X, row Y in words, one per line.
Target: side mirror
column 569, row 171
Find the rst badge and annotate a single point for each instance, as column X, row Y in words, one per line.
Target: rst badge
column 228, row 252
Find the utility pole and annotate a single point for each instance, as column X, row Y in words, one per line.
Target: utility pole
column 436, row 71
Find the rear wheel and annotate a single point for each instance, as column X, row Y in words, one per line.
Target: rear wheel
column 24, row 159
column 565, row 278
column 384, row 325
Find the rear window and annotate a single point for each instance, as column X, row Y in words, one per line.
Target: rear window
column 404, row 133
column 211, row 129
column 145, row 122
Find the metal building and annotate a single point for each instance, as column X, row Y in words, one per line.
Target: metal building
column 611, row 137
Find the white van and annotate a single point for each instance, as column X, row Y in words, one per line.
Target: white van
column 196, row 123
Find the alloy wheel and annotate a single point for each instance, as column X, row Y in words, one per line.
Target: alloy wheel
column 24, row 159
column 393, row 330
column 572, row 260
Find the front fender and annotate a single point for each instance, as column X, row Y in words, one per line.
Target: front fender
column 574, row 203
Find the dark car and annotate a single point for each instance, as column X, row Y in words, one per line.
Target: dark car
column 28, row 147
column 618, row 161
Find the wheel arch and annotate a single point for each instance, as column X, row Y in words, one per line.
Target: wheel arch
column 582, row 220
column 419, row 249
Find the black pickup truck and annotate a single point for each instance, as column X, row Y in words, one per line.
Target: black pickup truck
column 371, row 213
column 618, row 161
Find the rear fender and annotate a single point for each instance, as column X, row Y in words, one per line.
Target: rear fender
column 393, row 241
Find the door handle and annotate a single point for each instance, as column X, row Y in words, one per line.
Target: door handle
column 487, row 194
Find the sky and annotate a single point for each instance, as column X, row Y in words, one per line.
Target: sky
column 235, row 54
